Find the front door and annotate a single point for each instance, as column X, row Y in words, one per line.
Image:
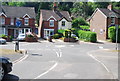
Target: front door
column 48, row 33
column 10, row 32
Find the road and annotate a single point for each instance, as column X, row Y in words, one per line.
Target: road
column 59, row 60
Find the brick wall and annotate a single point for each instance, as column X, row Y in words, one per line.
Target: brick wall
column 45, row 25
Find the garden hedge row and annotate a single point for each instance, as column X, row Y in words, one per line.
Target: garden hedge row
column 87, row 35
column 61, row 31
column 112, row 34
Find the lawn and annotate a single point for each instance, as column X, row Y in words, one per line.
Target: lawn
column 6, row 51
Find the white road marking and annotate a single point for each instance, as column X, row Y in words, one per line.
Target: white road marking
column 99, row 62
column 47, row 71
column 100, row 47
column 58, row 53
column 21, row 59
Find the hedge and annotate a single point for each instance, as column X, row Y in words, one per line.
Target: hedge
column 61, row 31
column 87, row 35
column 84, row 27
column 56, row 36
column 112, row 34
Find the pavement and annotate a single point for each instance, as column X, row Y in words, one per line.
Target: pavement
column 16, row 56
column 13, row 57
column 109, row 58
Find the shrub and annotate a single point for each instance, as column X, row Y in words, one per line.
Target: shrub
column 61, row 31
column 87, row 35
column 67, row 33
column 30, row 35
column 56, row 36
column 84, row 27
column 3, row 36
column 112, row 34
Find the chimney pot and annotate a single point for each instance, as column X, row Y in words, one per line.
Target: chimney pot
column 109, row 7
column 54, row 6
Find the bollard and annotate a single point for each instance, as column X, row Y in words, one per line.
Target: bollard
column 16, row 46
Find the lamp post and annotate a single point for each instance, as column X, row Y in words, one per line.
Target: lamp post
column 113, row 15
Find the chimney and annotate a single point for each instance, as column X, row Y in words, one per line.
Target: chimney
column 110, row 7
column 54, row 6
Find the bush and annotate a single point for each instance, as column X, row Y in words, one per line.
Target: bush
column 84, row 27
column 87, row 35
column 67, row 33
column 112, row 34
column 30, row 35
column 56, row 36
column 61, row 31
column 3, row 36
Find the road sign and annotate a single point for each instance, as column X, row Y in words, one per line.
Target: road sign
column 18, row 23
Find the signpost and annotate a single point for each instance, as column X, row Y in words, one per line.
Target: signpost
column 18, row 24
column 112, row 14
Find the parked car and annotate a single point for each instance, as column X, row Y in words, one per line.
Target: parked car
column 73, row 35
column 2, row 41
column 21, row 37
column 5, row 66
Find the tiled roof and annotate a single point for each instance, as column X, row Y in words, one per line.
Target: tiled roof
column 107, row 11
column 10, row 11
column 58, row 15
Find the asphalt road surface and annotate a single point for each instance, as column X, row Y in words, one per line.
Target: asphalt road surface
column 59, row 60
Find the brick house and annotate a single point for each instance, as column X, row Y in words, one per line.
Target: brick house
column 101, row 20
column 9, row 15
column 52, row 20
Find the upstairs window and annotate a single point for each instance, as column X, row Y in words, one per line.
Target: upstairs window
column 63, row 23
column 2, row 20
column 112, row 20
column 12, row 21
column 26, row 21
column 51, row 23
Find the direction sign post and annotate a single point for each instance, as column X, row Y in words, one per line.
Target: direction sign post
column 18, row 24
column 113, row 15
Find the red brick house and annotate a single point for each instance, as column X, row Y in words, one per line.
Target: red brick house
column 9, row 15
column 52, row 20
column 101, row 20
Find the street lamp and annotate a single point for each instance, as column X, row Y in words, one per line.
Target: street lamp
column 113, row 15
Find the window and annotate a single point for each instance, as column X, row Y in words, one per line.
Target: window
column 26, row 21
column 2, row 20
column 12, row 21
column 26, row 30
column 51, row 32
column 112, row 20
column 63, row 23
column 51, row 24
column 22, row 30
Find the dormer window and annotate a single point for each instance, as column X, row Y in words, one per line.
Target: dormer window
column 26, row 21
column 2, row 20
column 51, row 23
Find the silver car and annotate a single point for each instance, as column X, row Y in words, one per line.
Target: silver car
column 2, row 41
column 21, row 37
